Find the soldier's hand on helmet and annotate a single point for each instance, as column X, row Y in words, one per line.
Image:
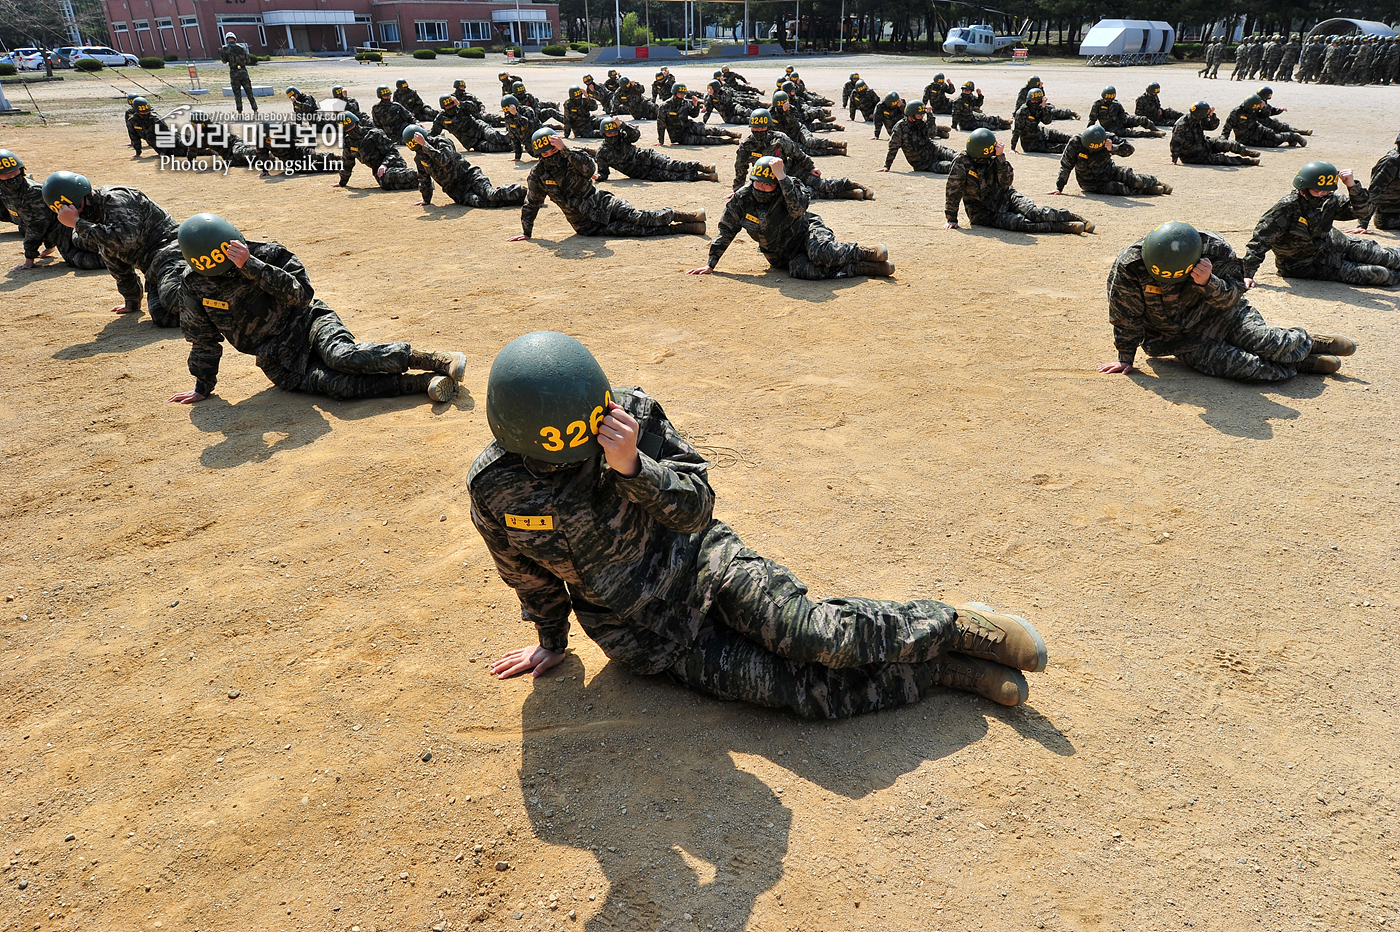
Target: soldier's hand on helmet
column 237, row 252
column 1200, row 274
column 1001, row 150
column 535, row 659
column 618, row 434
column 1117, row 367
column 1347, row 177
column 68, row 216
column 779, row 170
column 185, row 398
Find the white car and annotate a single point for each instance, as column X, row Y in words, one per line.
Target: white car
column 105, row 55
column 27, row 59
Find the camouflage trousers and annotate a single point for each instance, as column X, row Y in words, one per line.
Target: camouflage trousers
column 397, row 176
column 1384, row 220
column 819, row 256
column 1240, row 346
column 1350, row 259
column 697, row 134
column 242, row 84
column 982, row 121
column 163, row 282
column 1118, row 179
column 813, row 146
column 828, row 189
column 1135, row 127
column 936, row 166
column 1021, row 215
column 1261, row 137
column 584, row 128
column 612, row 216
column 344, row 369
column 650, row 165
column 492, row 142
column 478, row 192
column 1219, row 153
column 1047, row 140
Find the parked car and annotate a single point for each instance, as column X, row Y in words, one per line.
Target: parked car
column 29, row 59
column 105, row 55
column 63, row 56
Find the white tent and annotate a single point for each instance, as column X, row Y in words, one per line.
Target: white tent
column 1348, row 27
column 1128, row 42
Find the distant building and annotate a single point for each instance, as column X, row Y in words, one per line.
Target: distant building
column 195, row 28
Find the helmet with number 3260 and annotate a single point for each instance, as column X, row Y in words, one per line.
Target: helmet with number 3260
column 203, row 241
column 545, row 398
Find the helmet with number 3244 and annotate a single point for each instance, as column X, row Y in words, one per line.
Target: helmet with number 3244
column 545, row 398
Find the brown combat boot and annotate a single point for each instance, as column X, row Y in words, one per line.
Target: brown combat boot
column 1070, row 226
column 437, row 387
column 688, row 216
column 1163, row 188
column 993, row 681
column 1333, row 344
column 878, row 253
column 854, row 193
column 1319, row 364
column 1006, row 639
column 452, row 365
column 875, row 269
column 696, row 227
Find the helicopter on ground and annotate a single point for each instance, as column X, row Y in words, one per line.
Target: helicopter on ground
column 980, row 41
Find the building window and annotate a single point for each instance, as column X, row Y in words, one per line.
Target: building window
column 476, row 30
column 164, row 22
column 388, row 32
column 430, row 30
column 362, row 18
column 143, row 25
column 538, row 32
column 188, row 21
column 119, row 28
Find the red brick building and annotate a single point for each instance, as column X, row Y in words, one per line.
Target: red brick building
column 195, row 28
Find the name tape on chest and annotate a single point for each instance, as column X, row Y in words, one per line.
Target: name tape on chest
column 211, row 302
column 752, row 218
column 1152, row 289
column 1304, row 221
column 530, row 522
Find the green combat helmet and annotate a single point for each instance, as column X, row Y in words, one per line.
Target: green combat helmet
column 1154, row 88
column 401, row 83
column 443, row 102
column 1264, row 93
column 1253, row 102
column 204, row 240
column 508, row 101
column 66, row 189
column 1094, row 137
column 575, row 91
column 718, row 75
column 680, row 90
column 916, row 110
column 338, row 91
column 779, row 98
column 348, row 120
column 1321, row 176
column 856, row 77
column 891, row 99
column 1032, row 81
column 292, row 90
column 760, row 120
column 762, row 170
column 545, row 398
column 9, row 161
column 1200, row 110
column 610, row 126
column 410, row 133
column 981, row 144
column 938, row 78
column 1109, row 92
column 1172, row 250
column 142, row 105
column 1035, row 93
column 383, row 92
column 542, row 143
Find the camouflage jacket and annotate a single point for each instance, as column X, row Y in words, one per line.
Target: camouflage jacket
column 1164, row 317
column 778, row 225
column 467, row 128
column 918, row 139
column 577, row 110
column 984, row 185
column 1291, row 52
column 1091, row 167
column 661, row 87
column 730, row 107
column 936, row 96
column 370, row 146
column 237, row 57
column 1189, row 138
column 521, row 124
column 410, row 100
column 674, row 115
column 785, row 120
column 24, row 199
column 1150, row 106
column 848, row 89
column 1295, row 228
column 629, row 556
column 391, row 117
column 965, row 107
column 1241, row 121
column 436, row 161
column 127, row 228
column 508, row 83
column 1385, row 185
column 865, row 101
column 264, row 309
column 1109, row 114
column 469, row 102
column 566, row 178
column 353, row 106
column 627, row 97
column 303, row 104
column 621, row 152
column 770, row 142
column 1026, row 124
column 890, row 114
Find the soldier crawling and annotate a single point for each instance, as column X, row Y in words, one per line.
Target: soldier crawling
column 620, row 150
column 981, row 178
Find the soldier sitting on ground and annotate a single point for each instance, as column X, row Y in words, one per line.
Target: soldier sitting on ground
column 472, row 105
column 258, row 297
column 376, row 150
column 1247, row 123
column 967, row 111
column 1032, row 83
column 890, row 112
column 1385, row 192
column 732, row 109
column 1179, row 292
column 1270, row 114
column 1109, row 113
column 23, row 200
column 1298, row 231
column 409, row 99
column 1090, row 156
column 351, row 104
column 937, row 95
column 766, row 139
column 917, row 137
column 1149, row 106
column 1031, row 129
column 577, row 114
column 131, row 232
column 470, row 132
column 631, row 99
column 1191, row 146
column 390, row 116
column 565, row 176
column 664, row 588
column 437, row 160
column 981, row 178
column 620, row 150
column 785, row 119
column 676, row 116
column 521, row 123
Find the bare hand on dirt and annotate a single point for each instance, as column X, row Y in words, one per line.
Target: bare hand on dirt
column 535, row 659
column 185, row 398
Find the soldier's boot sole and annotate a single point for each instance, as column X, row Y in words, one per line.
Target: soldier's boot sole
column 1006, row 639
column 1071, row 226
column 1252, row 160
column 1305, row 132
column 441, row 388
column 1333, row 344
column 688, row 216
column 1319, row 364
column 697, row 228
column 1164, row 188
column 993, row 681
column 875, row 269
column 878, row 253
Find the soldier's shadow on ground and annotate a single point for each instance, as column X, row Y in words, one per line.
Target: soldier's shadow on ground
column 121, row 334
column 815, row 292
column 50, row 269
column 275, row 421
column 1240, row 409
column 576, row 247
column 659, row 784
column 1358, row 296
column 1010, row 237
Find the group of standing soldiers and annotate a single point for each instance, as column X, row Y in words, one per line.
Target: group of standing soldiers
column 1340, row 60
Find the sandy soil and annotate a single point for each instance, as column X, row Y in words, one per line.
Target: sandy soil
column 244, row 644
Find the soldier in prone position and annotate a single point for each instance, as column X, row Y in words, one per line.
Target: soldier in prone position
column 23, row 200
column 620, row 151
column 437, row 160
column 376, row 150
column 981, row 178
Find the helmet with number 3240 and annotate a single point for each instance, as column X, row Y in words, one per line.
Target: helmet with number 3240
column 545, row 398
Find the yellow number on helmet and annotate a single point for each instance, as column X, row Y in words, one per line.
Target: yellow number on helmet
column 578, row 434
column 552, row 441
column 596, row 418
column 8, row 163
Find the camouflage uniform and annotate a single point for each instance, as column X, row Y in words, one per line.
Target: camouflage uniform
column 410, row 100
column 508, row 82
column 663, row 587
column 887, row 115
column 968, row 115
column 674, row 116
column 353, row 106
column 918, row 140
column 1191, row 145
column 1256, row 59
column 133, row 233
column 732, row 109
column 303, row 104
column 23, row 199
column 461, row 180
column 1096, row 173
column 1273, row 54
column 984, row 185
column 1215, row 54
column 1030, row 130
column 788, row 236
column 1361, row 65
column 236, row 56
column 847, row 93
column 786, row 121
column 1149, row 106
column 1334, row 64
column 661, row 87
column 1310, row 63
column 1385, row 192
column 471, row 132
column 1210, row 327
column 795, row 163
column 1111, row 116
column 132, row 136
column 621, row 152
column 1298, row 230
column 472, row 105
column 1390, row 62
column 936, row 96
column 520, row 126
column 267, row 309
column 544, row 109
column 1250, row 128
column 576, row 115
column 865, row 100
column 141, row 129
column 566, row 178
column 631, row 99
column 737, row 81
column 390, row 117
column 1291, row 53
column 373, row 148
